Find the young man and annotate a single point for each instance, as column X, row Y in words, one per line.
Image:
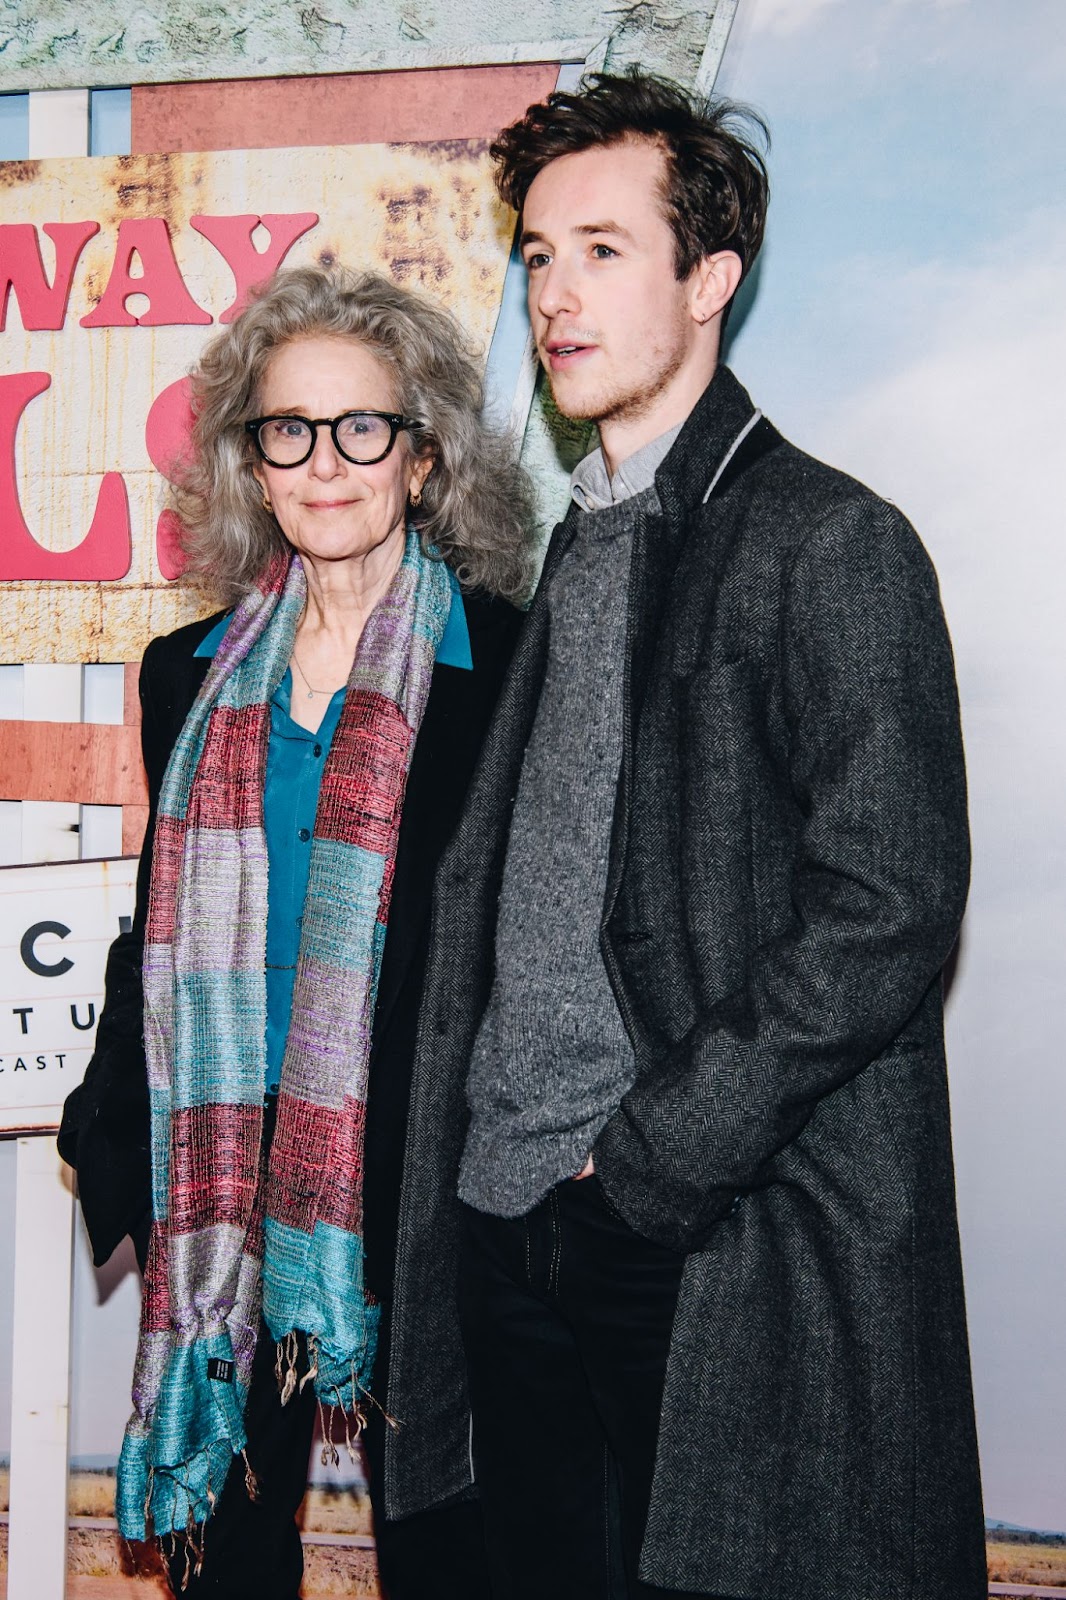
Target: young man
column 682, row 1048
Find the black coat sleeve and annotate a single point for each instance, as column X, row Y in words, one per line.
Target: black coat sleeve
column 105, row 1133
column 878, row 885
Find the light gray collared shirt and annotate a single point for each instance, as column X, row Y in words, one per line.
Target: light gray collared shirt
column 593, row 489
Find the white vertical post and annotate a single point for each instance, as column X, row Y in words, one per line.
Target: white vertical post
column 44, row 1235
column 44, row 1201
column 51, row 692
column 103, row 694
column 101, row 832
column 10, row 833
column 40, row 1405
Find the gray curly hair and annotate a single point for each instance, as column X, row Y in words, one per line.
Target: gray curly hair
column 476, row 507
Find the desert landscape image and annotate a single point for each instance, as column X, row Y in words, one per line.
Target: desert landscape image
column 339, row 1548
column 338, row 1544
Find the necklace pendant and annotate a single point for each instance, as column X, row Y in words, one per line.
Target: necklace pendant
column 310, row 694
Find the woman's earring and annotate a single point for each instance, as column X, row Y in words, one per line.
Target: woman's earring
column 266, row 503
column 415, row 497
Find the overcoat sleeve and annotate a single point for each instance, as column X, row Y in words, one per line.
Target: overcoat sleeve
column 105, row 1132
column 878, row 878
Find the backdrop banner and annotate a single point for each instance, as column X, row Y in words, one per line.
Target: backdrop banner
column 113, row 273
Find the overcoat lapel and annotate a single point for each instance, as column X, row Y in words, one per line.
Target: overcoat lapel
column 681, row 484
column 444, row 757
column 431, row 772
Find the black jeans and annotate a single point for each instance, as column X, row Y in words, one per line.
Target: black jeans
column 251, row 1548
column 566, row 1316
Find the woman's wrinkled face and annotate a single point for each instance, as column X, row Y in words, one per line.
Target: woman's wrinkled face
column 329, row 509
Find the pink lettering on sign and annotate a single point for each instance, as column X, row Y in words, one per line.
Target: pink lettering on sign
column 232, row 238
column 169, row 545
column 171, row 304
column 105, row 553
column 168, row 440
column 42, row 304
column 107, row 549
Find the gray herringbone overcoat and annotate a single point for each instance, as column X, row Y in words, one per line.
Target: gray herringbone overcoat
column 788, row 870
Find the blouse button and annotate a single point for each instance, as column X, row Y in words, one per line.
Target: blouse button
column 318, row 749
column 304, row 834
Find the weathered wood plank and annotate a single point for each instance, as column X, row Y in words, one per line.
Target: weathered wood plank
column 347, row 109
column 87, row 763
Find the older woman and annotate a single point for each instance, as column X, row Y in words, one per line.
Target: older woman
column 307, row 756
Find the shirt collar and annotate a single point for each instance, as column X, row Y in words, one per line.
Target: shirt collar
column 593, row 489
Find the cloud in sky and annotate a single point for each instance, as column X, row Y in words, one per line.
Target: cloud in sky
column 787, row 16
column 973, row 412
column 851, row 49
column 966, row 434
column 959, row 421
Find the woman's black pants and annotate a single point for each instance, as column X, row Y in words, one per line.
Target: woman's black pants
column 252, row 1549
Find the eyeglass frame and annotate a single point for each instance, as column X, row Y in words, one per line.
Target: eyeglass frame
column 396, row 421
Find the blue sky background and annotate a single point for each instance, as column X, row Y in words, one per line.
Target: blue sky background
column 907, row 325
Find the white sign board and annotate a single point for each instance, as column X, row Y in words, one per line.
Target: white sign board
column 56, row 925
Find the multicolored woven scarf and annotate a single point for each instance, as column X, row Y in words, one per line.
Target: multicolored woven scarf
column 231, row 1240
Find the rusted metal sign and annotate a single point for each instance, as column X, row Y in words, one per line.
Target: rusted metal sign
column 114, row 272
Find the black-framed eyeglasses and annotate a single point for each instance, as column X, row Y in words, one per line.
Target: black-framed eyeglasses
column 361, row 437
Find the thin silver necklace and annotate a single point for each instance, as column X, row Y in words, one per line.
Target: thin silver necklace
column 310, row 692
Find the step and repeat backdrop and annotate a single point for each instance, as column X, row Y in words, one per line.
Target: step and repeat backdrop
column 904, row 323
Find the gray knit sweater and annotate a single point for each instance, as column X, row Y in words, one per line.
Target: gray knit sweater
column 552, row 1059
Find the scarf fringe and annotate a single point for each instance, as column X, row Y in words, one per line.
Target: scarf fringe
column 288, row 1352
column 312, row 1359
column 354, row 1415
column 251, row 1482
column 191, row 1542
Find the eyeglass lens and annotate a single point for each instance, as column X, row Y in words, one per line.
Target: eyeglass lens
column 360, row 435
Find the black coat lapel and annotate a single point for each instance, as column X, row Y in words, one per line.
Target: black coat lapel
column 475, row 855
column 446, row 752
column 703, row 446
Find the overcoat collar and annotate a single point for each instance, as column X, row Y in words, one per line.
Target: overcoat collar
column 705, row 443
column 719, row 415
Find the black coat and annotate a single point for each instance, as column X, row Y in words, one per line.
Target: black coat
column 105, row 1128
column 788, row 869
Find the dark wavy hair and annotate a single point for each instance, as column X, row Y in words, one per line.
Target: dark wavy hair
column 715, row 186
